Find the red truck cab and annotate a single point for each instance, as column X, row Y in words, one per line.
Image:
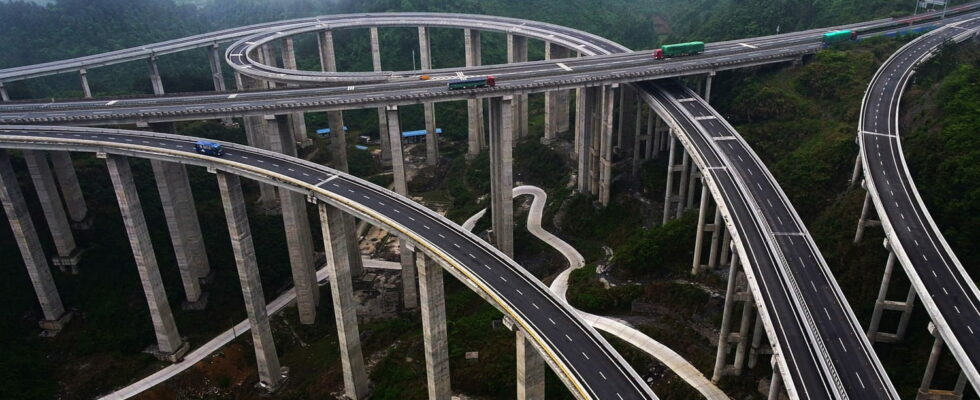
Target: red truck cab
column 491, row 81
column 658, row 54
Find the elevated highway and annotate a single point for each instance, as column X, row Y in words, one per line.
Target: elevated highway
column 947, row 292
column 819, row 351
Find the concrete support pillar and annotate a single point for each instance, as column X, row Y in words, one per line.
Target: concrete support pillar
column 64, row 170
column 925, row 391
column 30, row 248
column 47, row 192
column 641, row 140
column 169, row 346
column 256, row 135
column 185, row 229
column 382, row 119
column 328, row 59
column 530, row 370
column 605, row 156
column 748, row 307
column 589, row 102
column 726, row 320
column 501, row 172
column 555, row 102
column 4, row 96
column 83, row 79
column 708, row 81
column 335, row 239
column 716, row 228
column 699, row 237
column 626, row 129
column 433, row 305
column 726, row 243
column 682, row 190
column 409, row 295
column 757, row 334
column 155, row 79
column 882, row 304
column 217, row 75
column 474, row 57
column 517, row 53
column 296, row 119
column 298, row 236
column 431, row 139
column 775, row 384
column 672, row 168
column 270, row 372
column 692, row 185
column 856, row 173
column 865, row 221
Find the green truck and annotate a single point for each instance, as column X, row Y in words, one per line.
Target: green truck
column 679, row 49
column 830, row 38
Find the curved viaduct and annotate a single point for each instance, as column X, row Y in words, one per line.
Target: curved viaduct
column 818, row 349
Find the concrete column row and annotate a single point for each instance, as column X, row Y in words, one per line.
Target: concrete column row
column 587, row 129
column 606, row 144
column 54, row 315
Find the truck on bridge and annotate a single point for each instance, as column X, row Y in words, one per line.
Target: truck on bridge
column 830, row 38
column 678, row 49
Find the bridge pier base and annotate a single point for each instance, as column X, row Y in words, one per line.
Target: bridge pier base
column 335, row 239
column 433, row 305
column 530, row 369
column 271, row 373
column 298, row 236
column 517, row 53
column 54, row 314
column 476, row 138
column 83, row 80
column 925, row 393
column 170, row 346
column 501, row 172
column 882, row 303
column 68, row 252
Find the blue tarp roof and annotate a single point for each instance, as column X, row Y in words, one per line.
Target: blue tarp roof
column 419, row 133
column 327, row 130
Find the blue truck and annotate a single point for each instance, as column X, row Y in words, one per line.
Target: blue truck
column 209, row 148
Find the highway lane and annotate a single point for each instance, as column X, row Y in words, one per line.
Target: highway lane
column 948, row 293
column 818, row 336
column 590, row 362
